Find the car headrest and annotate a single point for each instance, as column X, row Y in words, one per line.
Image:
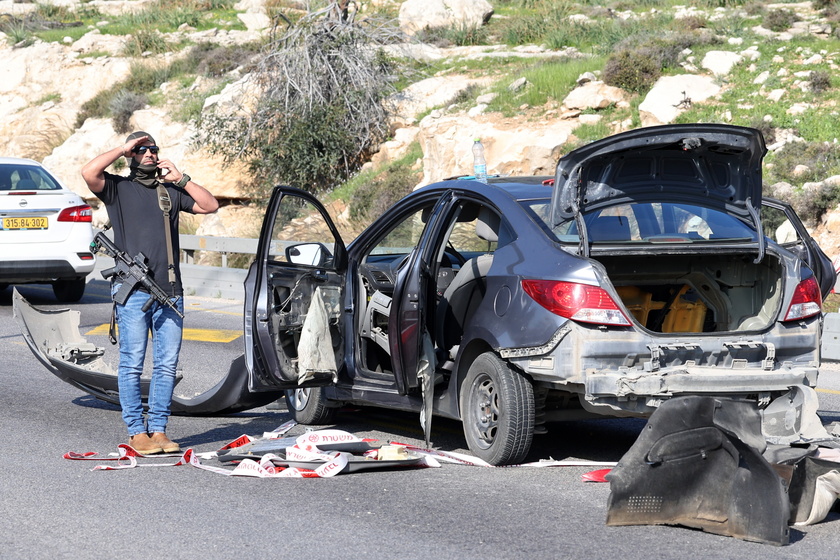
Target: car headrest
column 487, row 225
column 26, row 185
column 610, row 228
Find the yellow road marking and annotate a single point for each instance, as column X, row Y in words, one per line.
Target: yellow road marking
column 832, row 391
column 200, row 335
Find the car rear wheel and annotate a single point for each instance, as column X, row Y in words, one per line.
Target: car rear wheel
column 69, row 291
column 308, row 406
column 497, row 409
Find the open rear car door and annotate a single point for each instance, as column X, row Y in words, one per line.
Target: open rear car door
column 782, row 225
column 293, row 296
column 411, row 350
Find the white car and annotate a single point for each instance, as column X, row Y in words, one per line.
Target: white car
column 45, row 230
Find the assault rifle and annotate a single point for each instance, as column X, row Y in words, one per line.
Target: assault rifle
column 132, row 272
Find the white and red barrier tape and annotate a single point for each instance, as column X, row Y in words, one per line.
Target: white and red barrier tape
column 306, row 449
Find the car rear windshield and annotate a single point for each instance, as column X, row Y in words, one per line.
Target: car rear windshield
column 646, row 222
column 15, row 177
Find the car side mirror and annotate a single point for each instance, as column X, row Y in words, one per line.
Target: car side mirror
column 312, row 254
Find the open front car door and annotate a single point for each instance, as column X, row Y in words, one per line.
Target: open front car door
column 294, row 293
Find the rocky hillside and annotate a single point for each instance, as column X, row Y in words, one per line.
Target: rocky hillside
column 484, row 70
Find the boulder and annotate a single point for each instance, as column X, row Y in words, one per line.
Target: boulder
column 14, row 8
column 595, row 95
column 254, row 21
column 720, row 63
column 93, row 138
column 416, row 15
column 39, row 105
column 236, row 99
column 232, row 220
column 510, row 148
column 95, row 42
column 395, row 148
column 438, row 91
column 671, row 95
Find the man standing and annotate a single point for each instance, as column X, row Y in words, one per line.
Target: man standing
column 137, row 208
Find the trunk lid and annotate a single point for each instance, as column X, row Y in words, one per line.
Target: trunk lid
column 710, row 165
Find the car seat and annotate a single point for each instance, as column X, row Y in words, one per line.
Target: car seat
column 26, row 185
column 461, row 298
column 609, row 228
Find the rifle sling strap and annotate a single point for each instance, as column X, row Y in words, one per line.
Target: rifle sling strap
column 112, row 330
column 165, row 203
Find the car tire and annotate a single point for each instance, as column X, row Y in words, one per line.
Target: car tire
column 69, row 291
column 497, row 410
column 308, row 406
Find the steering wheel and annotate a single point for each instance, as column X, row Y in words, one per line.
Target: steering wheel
column 453, row 254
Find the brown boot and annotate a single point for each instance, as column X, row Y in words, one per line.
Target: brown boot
column 144, row 445
column 168, row 446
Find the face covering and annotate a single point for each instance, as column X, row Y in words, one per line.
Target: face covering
column 145, row 174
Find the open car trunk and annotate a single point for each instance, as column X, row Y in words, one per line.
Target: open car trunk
column 674, row 293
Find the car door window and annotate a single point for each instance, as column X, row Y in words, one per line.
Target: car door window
column 298, row 223
column 778, row 227
column 401, row 238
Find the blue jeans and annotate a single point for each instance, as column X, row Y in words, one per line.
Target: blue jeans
column 134, row 326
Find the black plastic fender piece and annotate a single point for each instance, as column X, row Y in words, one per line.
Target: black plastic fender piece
column 698, row 463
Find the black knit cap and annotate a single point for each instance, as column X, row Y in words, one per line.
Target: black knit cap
column 138, row 134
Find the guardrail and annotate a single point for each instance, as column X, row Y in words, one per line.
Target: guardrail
column 202, row 280
column 214, row 281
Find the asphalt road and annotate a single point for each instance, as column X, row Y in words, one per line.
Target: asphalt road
column 58, row 508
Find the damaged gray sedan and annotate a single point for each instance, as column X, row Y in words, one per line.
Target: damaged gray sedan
column 649, row 267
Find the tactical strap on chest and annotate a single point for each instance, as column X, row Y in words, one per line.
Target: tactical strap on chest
column 165, row 203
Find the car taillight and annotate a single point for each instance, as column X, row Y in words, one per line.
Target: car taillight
column 82, row 213
column 806, row 301
column 580, row 302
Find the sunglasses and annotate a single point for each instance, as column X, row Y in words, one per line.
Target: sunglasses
column 142, row 149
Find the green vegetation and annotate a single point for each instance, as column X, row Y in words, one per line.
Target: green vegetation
column 380, row 190
column 322, row 107
column 54, row 97
column 779, row 20
column 53, row 23
column 547, row 81
column 145, row 78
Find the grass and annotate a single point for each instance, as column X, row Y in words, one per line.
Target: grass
column 55, row 97
column 191, row 102
column 551, row 80
column 161, row 16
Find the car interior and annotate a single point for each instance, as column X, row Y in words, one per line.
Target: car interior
column 464, row 254
column 464, row 259
column 23, row 178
